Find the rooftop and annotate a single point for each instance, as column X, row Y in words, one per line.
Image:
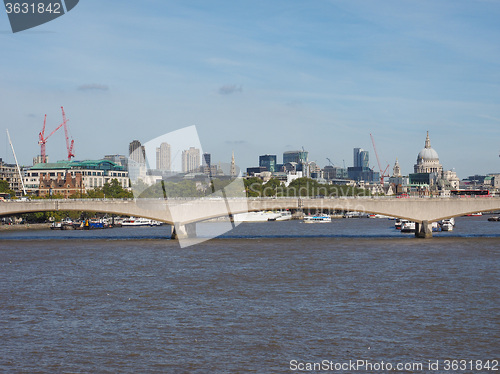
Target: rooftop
column 86, row 164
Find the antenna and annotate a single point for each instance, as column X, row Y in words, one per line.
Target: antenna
column 17, row 164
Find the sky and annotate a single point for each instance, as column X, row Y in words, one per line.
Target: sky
column 261, row 77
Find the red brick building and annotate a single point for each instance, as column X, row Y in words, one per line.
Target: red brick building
column 63, row 184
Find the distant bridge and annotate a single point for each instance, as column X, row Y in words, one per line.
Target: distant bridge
column 184, row 213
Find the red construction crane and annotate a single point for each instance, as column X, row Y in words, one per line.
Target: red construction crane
column 42, row 140
column 69, row 146
column 383, row 174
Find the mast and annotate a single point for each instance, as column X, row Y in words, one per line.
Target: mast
column 17, row 164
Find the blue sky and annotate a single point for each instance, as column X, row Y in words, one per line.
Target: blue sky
column 262, row 77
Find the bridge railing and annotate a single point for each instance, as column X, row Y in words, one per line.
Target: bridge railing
column 255, row 198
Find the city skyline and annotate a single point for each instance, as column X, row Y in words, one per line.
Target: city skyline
column 260, row 80
column 163, row 157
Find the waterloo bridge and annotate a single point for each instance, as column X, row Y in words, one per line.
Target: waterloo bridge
column 183, row 214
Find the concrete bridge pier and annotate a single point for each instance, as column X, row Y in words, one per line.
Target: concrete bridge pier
column 423, row 230
column 182, row 231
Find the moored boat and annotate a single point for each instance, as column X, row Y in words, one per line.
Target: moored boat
column 317, row 219
column 262, row 216
column 282, row 216
column 140, row 221
column 56, row 226
column 355, row 215
column 448, row 224
column 407, row 226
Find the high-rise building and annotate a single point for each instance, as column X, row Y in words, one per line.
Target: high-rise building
column 206, row 165
column 361, row 158
column 206, row 159
column 300, row 157
column 190, row 160
column 163, row 157
column 269, row 162
column 361, row 170
column 137, row 152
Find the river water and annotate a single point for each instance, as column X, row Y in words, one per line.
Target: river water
column 265, row 298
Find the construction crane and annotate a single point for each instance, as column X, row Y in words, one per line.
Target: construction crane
column 17, row 164
column 383, row 174
column 330, row 161
column 42, row 140
column 69, row 145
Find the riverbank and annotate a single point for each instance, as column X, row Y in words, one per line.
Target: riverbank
column 27, row 226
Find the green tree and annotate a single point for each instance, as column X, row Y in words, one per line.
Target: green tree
column 115, row 190
column 253, row 187
column 4, row 188
column 272, row 188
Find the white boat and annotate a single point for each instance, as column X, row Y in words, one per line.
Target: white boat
column 282, row 216
column 56, row 226
column 407, row 226
column 133, row 221
column 398, row 223
column 317, row 219
column 448, row 224
column 355, row 215
column 262, row 216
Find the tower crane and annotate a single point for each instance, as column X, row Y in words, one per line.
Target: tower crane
column 383, row 174
column 330, row 161
column 42, row 140
column 69, row 145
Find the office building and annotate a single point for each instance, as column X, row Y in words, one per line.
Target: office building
column 9, row 173
column 163, row 157
column 191, row 160
column 360, row 171
column 269, row 162
column 121, row 160
column 334, row 172
column 69, row 177
column 137, row 152
column 300, row 157
column 361, row 158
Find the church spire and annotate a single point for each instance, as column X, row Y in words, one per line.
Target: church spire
column 233, row 166
column 427, row 141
